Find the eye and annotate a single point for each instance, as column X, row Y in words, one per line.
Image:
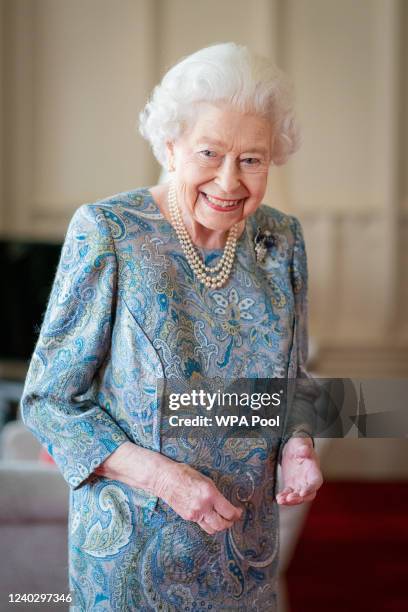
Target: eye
column 251, row 161
column 207, row 153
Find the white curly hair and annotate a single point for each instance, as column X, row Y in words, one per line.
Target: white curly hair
column 224, row 72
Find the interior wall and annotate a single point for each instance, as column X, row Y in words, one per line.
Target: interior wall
column 73, row 92
column 75, row 75
column 402, row 135
column 2, row 118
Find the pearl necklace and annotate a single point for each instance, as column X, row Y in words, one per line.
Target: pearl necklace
column 212, row 277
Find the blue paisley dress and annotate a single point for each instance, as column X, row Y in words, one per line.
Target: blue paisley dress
column 125, row 310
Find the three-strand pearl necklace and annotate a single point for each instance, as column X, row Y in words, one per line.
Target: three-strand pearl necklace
column 212, row 277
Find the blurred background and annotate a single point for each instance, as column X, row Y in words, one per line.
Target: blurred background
column 74, row 76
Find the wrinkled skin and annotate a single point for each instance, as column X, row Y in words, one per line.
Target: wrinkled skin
column 301, row 473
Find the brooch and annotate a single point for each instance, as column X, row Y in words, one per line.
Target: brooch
column 263, row 241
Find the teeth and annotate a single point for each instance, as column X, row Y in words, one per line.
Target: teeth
column 222, row 203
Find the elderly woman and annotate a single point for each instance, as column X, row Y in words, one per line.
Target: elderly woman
column 178, row 281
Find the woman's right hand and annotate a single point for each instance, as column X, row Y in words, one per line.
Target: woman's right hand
column 188, row 492
column 195, row 497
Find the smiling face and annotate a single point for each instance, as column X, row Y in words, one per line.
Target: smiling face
column 221, row 168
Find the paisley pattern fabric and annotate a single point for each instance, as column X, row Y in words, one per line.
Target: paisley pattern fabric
column 125, row 310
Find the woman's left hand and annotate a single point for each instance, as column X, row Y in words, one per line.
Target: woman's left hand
column 301, row 473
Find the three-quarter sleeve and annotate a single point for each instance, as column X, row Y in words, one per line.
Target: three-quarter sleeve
column 60, row 400
column 303, row 391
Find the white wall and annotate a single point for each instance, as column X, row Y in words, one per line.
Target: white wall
column 76, row 73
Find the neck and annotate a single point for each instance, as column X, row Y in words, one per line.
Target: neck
column 204, row 237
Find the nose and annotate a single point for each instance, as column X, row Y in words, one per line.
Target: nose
column 227, row 177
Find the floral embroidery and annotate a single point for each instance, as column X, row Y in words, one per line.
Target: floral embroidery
column 233, row 307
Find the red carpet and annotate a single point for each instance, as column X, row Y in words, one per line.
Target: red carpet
column 353, row 553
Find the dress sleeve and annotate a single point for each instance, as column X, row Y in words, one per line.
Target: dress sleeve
column 60, row 401
column 303, row 391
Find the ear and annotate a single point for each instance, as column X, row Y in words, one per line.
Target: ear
column 170, row 156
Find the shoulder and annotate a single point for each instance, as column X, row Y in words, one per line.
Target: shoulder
column 116, row 214
column 278, row 222
column 133, row 201
column 288, row 243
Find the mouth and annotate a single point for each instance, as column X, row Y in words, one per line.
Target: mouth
column 220, row 204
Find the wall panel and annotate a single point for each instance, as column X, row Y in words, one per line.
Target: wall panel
column 76, row 74
column 81, row 73
column 339, row 54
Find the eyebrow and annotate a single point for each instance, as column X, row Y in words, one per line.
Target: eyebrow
column 219, row 143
